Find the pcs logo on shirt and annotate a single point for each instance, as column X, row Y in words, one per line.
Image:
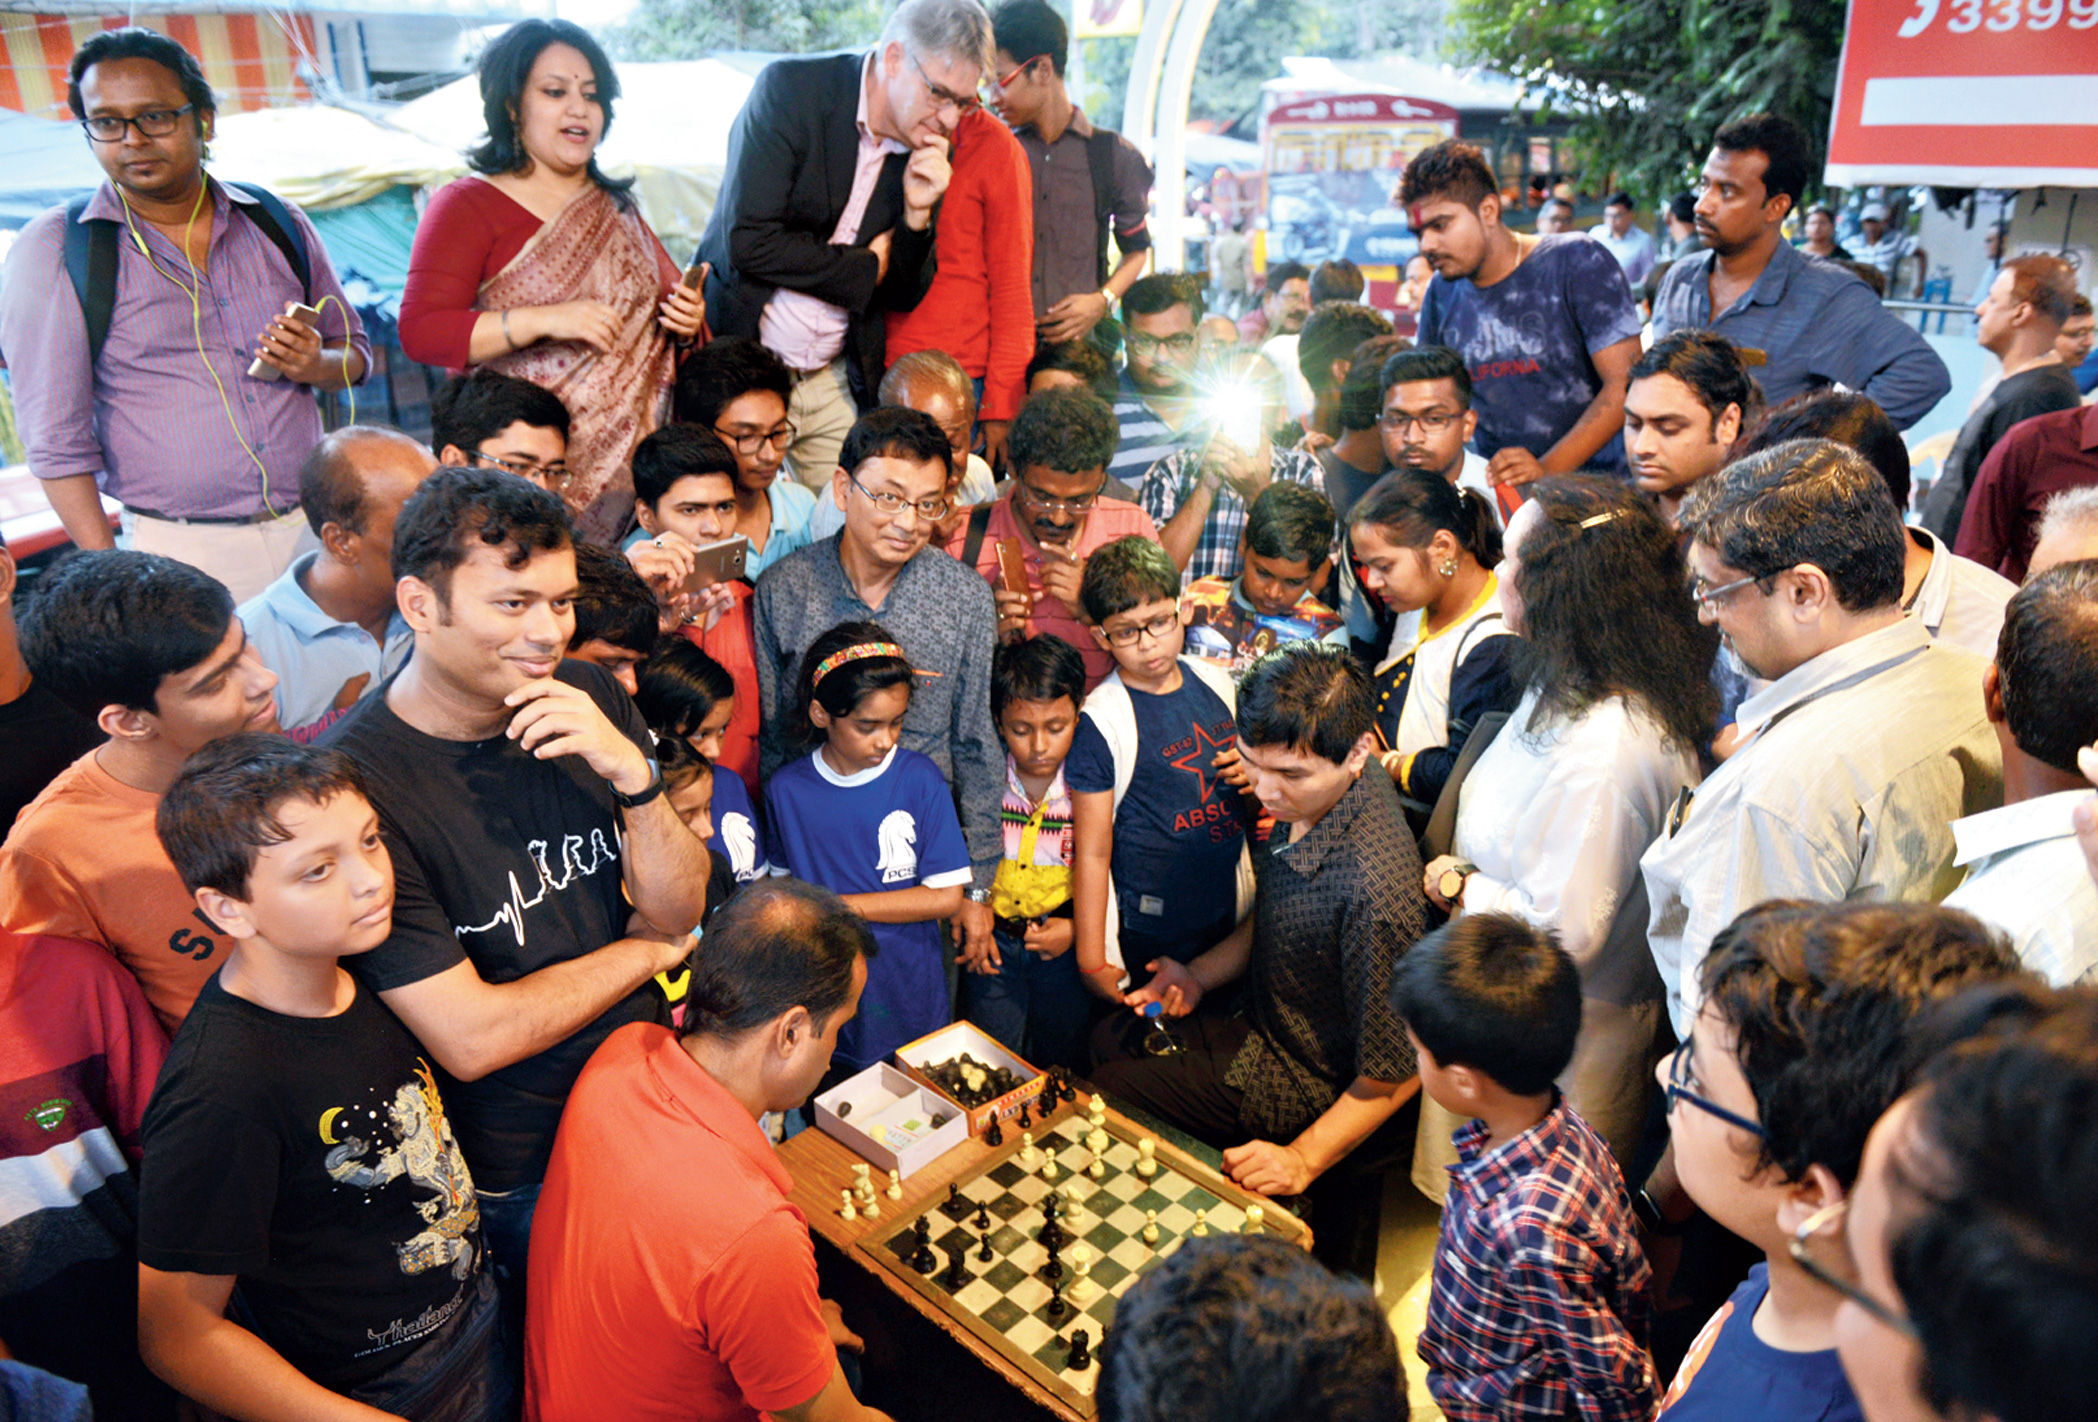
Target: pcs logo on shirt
column 897, row 840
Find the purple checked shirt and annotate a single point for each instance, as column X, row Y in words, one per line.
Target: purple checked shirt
column 151, row 419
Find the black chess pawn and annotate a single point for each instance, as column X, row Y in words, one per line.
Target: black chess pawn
column 956, row 1207
column 1026, row 1117
column 922, row 1258
column 1053, row 1270
column 1057, row 1307
column 1081, row 1355
column 957, row 1276
column 984, row 1250
column 992, row 1136
column 983, row 1218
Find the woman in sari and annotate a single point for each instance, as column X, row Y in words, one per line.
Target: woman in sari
column 541, row 267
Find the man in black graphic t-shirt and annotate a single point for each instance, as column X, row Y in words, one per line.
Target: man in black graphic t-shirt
column 543, row 877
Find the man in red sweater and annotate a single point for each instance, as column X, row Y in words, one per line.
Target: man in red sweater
column 980, row 309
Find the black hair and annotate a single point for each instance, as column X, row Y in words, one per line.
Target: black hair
column 331, row 487
column 678, row 451
column 1069, row 431
column 612, row 604
column 1332, row 332
column 1409, row 507
column 678, row 687
column 506, row 65
column 1336, row 280
column 1843, row 416
column 1620, row 198
column 680, row 762
column 1361, row 402
column 1451, row 169
column 138, row 42
column 1037, row 668
column 457, row 507
column 1683, row 208
column 469, row 410
column 1306, row 696
column 1425, row 363
column 1607, row 611
column 2047, row 664
column 1709, row 365
column 777, row 945
column 1783, row 146
column 1495, row 993
column 722, row 372
column 1823, row 1001
column 221, row 810
column 1027, row 29
column 896, row 432
column 1279, row 274
column 105, row 628
column 1162, row 291
column 1290, row 521
column 1080, row 358
column 1249, row 1329
column 1126, row 573
column 1804, row 501
column 846, row 685
column 1996, row 1269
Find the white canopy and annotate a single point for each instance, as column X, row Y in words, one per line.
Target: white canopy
column 323, row 158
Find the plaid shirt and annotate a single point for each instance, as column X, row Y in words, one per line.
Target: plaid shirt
column 1539, row 1305
column 1172, row 480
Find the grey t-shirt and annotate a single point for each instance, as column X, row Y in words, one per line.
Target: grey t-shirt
column 1529, row 340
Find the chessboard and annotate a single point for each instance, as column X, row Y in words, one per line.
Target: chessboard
column 1024, row 1301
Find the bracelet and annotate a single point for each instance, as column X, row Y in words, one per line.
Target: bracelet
column 508, row 339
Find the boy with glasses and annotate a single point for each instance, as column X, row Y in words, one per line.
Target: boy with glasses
column 739, row 390
column 500, row 422
column 1806, row 1036
column 1057, row 516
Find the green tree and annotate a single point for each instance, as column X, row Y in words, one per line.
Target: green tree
column 1646, row 84
column 692, row 29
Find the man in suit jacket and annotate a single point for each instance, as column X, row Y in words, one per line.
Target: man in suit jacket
column 825, row 220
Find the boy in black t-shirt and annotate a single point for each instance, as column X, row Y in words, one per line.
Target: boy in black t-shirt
column 296, row 1145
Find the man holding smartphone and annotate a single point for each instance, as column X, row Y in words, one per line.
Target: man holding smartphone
column 151, row 401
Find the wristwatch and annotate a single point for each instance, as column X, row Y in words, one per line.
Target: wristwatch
column 979, row 896
column 647, row 792
column 1450, row 884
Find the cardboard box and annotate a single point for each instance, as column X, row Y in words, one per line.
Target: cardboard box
column 902, row 1109
column 964, row 1038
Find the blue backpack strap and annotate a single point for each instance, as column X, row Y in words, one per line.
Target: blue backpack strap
column 91, row 263
column 274, row 219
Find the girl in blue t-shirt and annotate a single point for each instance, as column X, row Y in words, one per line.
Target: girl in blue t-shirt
column 875, row 824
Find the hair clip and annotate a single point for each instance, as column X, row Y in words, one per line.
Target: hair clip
column 1598, row 520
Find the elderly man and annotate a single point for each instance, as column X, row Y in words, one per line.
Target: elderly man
column 825, row 220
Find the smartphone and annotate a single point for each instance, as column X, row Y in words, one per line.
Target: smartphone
column 694, row 275
column 717, row 562
column 1012, row 566
column 297, row 311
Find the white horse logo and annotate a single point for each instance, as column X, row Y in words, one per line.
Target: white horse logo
column 898, row 839
column 740, row 838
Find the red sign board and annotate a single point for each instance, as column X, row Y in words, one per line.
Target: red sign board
column 1364, row 108
column 1967, row 93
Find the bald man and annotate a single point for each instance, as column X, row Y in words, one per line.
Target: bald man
column 932, row 383
column 327, row 627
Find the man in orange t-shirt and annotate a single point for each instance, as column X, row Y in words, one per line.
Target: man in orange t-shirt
column 150, row 649
column 683, row 1284
column 1056, row 515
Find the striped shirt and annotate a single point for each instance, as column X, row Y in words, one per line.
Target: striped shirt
column 171, row 432
column 1538, row 1305
column 1146, row 438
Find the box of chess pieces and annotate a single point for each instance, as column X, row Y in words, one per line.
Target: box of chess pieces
column 975, row 1072
column 890, row 1119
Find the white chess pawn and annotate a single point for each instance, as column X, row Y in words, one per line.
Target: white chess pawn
column 1150, row 1230
column 1098, row 1169
column 1028, row 1154
column 1147, row 1157
column 848, row 1212
column 895, row 1190
column 1049, row 1171
column 1201, row 1227
column 1254, row 1215
column 871, row 1207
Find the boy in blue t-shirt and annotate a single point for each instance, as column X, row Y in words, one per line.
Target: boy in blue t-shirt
column 1158, row 838
column 1804, row 1039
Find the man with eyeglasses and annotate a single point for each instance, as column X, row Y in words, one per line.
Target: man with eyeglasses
column 825, row 219
column 1090, row 184
column 741, row 391
column 150, row 400
column 500, row 422
column 1427, row 419
column 1805, row 1037
column 891, row 481
column 1155, row 400
column 1056, row 515
column 1870, row 739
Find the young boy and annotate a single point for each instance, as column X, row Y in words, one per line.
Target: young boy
column 296, row 1145
column 1803, row 1041
column 1159, row 867
column 1024, row 989
column 1285, row 553
column 1539, row 1302
column 616, row 626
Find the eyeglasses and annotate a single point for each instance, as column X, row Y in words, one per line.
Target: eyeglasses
column 1819, row 1247
column 153, row 123
column 1157, row 629
column 931, row 510
column 1435, row 422
column 555, row 475
column 1048, row 505
column 780, row 437
column 1182, row 344
column 942, row 98
column 1679, row 1083
column 1706, row 597
column 1000, row 82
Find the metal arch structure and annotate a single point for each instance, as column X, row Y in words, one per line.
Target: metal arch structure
column 1154, row 113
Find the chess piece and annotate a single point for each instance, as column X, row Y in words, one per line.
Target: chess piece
column 1028, row 1154
column 1071, row 1210
column 992, row 1135
column 1026, row 1116
column 1254, row 1215
column 1049, row 1167
column 957, row 1276
column 1097, row 1108
column 860, row 1181
column 848, row 1212
column 1082, row 1286
column 955, row 1207
column 1096, row 1141
column 1201, row 1228
column 895, row 1190
column 922, row 1258
column 983, row 1218
column 1081, row 1355
column 1098, row 1169
column 1057, row 1307
column 1150, row 1230
column 1147, row 1157
column 984, row 1250
column 870, row 1207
